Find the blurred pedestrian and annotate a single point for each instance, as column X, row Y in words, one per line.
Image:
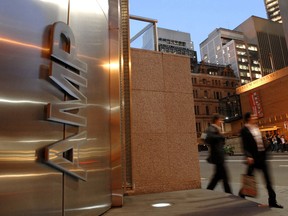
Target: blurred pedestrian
column 216, row 142
column 256, row 156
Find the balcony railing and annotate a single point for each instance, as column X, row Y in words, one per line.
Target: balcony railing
column 143, row 33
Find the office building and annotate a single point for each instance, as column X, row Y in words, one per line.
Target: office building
column 228, row 47
column 171, row 41
column 273, row 10
column 277, row 12
column 253, row 49
column 270, row 39
column 283, row 4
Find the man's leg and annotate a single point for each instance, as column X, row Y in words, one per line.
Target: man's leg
column 216, row 177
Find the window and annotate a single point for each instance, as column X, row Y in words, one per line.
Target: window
column 243, row 67
column 195, row 93
column 252, row 48
column 258, row 76
column 241, row 46
column 205, row 94
column 255, row 68
column 196, row 110
column 207, row 110
column 241, row 53
column 198, row 127
column 194, row 80
column 242, row 59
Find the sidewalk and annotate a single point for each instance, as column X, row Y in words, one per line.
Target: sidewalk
column 197, row 202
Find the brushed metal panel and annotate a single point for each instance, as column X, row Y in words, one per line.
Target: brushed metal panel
column 115, row 57
column 89, row 22
column 28, row 187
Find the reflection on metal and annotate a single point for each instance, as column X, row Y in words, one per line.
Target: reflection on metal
column 114, row 67
column 27, row 60
column 3, row 100
column 18, row 43
column 88, row 208
column 56, row 155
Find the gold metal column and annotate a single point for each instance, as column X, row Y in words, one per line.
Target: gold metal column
column 125, row 86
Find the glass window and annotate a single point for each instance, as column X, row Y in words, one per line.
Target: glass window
column 258, row 76
column 241, row 46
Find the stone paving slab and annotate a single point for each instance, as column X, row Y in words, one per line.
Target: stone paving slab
column 197, row 202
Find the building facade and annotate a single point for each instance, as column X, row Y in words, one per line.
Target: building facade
column 171, row 41
column 228, row 47
column 267, row 97
column 211, row 83
column 255, row 48
column 273, row 10
column 270, row 39
column 283, row 4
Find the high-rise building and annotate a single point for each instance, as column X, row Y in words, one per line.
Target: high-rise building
column 254, row 49
column 277, row 11
column 283, row 5
column 273, row 10
column 270, row 39
column 228, row 47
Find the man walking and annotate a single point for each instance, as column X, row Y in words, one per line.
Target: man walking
column 255, row 153
column 216, row 142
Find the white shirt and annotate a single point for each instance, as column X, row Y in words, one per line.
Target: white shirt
column 254, row 130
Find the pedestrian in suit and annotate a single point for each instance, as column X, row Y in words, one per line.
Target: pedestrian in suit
column 216, row 142
column 255, row 154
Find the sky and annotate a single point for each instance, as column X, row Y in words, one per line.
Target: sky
column 197, row 17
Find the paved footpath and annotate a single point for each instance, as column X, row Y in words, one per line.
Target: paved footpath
column 197, row 202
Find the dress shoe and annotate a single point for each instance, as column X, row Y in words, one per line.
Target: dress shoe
column 241, row 195
column 275, row 205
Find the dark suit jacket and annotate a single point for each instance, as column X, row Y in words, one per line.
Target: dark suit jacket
column 216, row 142
column 250, row 146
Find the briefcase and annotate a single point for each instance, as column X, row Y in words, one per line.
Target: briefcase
column 249, row 187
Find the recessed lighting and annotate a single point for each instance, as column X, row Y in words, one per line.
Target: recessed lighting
column 161, row 205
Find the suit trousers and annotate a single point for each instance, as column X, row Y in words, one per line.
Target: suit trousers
column 220, row 173
column 261, row 164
